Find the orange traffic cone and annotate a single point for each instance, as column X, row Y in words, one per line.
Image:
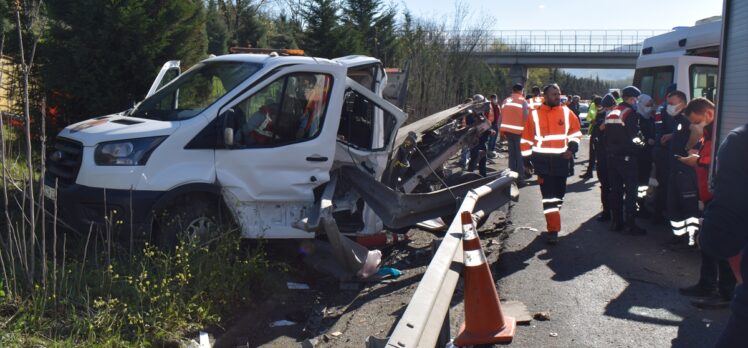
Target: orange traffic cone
column 484, row 321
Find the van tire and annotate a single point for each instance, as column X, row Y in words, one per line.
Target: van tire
column 193, row 216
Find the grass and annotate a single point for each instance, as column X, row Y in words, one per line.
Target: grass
column 150, row 298
column 82, row 290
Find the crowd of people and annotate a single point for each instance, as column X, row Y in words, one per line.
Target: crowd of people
column 631, row 138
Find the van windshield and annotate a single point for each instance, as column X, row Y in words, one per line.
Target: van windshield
column 194, row 91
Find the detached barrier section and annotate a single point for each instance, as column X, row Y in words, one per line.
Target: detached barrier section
column 425, row 322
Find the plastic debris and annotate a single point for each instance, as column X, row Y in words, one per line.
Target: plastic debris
column 297, row 286
column 279, row 323
column 204, row 340
column 389, row 271
column 542, row 316
column 553, row 334
column 336, row 334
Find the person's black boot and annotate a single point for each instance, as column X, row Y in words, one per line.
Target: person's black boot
column 616, row 224
column 586, row 175
column 632, row 228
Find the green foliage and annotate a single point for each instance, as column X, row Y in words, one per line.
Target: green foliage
column 103, row 59
column 322, row 21
column 144, row 299
column 216, row 29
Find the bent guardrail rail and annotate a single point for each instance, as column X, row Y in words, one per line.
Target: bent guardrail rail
column 425, row 322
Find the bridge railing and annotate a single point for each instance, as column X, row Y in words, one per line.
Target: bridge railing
column 572, row 41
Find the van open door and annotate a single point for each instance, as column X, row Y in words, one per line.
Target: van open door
column 169, row 71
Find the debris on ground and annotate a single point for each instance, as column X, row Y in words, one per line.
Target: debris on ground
column 279, row 323
column 389, row 271
column 297, row 286
column 553, row 334
column 336, row 334
column 542, row 316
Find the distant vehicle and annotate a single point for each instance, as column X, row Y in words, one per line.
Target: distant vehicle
column 687, row 56
column 583, row 110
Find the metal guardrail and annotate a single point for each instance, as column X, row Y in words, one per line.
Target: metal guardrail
column 425, row 322
column 570, row 41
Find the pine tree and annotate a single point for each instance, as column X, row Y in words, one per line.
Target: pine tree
column 322, row 23
column 216, row 29
column 359, row 17
column 104, row 58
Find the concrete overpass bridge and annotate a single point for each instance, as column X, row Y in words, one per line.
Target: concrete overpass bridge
column 523, row 49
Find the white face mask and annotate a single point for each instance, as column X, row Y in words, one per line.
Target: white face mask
column 672, row 110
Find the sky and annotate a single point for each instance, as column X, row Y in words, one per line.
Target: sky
column 574, row 14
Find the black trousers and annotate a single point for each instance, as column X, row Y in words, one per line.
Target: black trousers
column 683, row 201
column 716, row 274
column 475, row 156
column 623, row 174
column 602, row 177
column 662, row 174
column 553, row 189
column 644, row 161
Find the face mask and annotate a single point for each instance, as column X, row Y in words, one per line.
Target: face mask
column 672, row 110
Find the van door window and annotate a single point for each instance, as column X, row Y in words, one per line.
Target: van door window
column 288, row 110
column 703, row 81
column 363, row 124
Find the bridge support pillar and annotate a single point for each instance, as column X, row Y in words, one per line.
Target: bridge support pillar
column 518, row 74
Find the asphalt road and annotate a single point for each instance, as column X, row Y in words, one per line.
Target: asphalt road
column 602, row 289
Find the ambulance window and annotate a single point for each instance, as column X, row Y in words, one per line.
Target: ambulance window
column 654, row 81
column 703, row 81
column 288, row 110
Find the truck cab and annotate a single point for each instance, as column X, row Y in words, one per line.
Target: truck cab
column 687, row 56
column 250, row 136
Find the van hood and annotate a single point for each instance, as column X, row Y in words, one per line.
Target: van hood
column 116, row 127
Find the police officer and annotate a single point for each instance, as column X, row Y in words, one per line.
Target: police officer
column 661, row 155
column 682, row 194
column 597, row 138
column 621, row 142
column 645, row 110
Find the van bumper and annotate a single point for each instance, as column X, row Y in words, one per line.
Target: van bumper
column 82, row 207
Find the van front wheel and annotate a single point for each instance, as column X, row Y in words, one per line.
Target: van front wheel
column 196, row 217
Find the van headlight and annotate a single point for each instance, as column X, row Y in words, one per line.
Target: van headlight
column 130, row 152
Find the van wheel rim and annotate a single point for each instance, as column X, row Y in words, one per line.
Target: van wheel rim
column 199, row 227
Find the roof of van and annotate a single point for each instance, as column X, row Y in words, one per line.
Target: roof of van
column 267, row 59
column 698, row 36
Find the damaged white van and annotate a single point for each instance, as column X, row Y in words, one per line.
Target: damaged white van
column 262, row 136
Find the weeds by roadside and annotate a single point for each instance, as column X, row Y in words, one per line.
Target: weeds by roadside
column 144, row 299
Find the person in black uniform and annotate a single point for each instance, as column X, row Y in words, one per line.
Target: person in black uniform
column 597, row 139
column 622, row 145
column 645, row 110
column 661, row 155
column 724, row 234
column 682, row 194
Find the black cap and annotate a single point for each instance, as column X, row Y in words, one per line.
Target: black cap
column 630, row 91
column 608, row 101
column 517, row 87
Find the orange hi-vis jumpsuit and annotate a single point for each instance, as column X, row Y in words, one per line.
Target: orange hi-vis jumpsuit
column 535, row 102
column 514, row 114
column 548, row 134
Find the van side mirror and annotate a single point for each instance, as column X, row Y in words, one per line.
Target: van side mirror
column 229, row 120
column 228, row 136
